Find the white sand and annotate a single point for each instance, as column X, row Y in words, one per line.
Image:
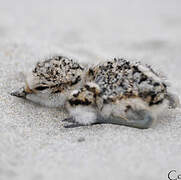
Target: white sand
column 33, row 143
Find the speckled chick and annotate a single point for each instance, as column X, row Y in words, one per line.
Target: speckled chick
column 51, row 81
column 120, row 92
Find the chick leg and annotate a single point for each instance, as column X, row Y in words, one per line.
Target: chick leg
column 139, row 119
column 73, row 125
column 69, row 119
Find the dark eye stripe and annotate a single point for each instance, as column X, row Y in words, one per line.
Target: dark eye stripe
column 40, row 88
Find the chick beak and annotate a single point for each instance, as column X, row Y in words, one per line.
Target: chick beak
column 21, row 93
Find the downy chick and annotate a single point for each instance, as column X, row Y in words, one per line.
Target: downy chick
column 51, row 81
column 120, row 92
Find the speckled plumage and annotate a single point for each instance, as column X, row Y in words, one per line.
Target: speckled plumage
column 51, row 81
column 120, row 92
column 121, row 79
column 116, row 91
column 58, row 73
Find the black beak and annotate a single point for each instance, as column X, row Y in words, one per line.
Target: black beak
column 19, row 93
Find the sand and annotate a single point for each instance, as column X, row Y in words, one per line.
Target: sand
column 34, row 145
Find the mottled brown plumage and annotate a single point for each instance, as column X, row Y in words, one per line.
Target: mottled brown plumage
column 120, row 92
column 120, row 78
column 58, row 73
column 51, row 81
column 116, row 91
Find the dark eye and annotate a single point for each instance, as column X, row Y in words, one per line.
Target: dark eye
column 40, row 88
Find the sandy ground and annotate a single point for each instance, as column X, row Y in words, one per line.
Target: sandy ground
column 33, row 143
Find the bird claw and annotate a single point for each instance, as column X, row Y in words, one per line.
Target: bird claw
column 69, row 119
column 71, row 123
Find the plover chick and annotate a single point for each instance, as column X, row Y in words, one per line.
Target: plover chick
column 51, row 81
column 120, row 92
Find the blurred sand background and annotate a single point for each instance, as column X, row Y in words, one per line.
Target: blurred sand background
column 33, row 143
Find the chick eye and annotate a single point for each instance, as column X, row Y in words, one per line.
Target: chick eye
column 40, row 88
